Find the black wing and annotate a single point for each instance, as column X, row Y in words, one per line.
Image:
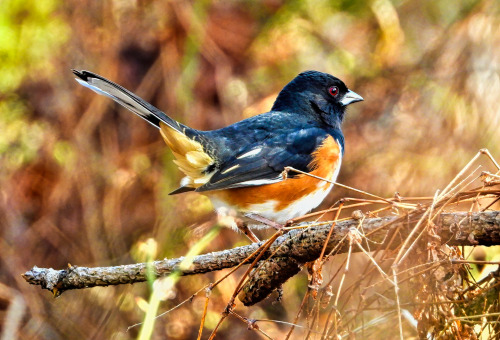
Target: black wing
column 263, row 160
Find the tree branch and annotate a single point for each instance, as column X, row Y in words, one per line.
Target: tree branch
column 295, row 248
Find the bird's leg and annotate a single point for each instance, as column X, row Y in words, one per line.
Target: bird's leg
column 227, row 217
column 263, row 220
column 243, row 227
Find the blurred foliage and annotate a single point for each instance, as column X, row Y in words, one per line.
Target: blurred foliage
column 83, row 181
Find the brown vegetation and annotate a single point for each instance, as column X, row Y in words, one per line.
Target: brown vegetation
column 84, row 182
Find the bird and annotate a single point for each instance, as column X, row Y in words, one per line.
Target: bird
column 242, row 167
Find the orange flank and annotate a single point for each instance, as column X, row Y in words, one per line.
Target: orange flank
column 324, row 165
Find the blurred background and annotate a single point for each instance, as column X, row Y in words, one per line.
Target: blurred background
column 85, row 182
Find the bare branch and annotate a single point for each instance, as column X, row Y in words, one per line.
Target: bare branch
column 296, row 247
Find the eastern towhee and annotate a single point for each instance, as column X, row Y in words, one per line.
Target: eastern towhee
column 241, row 167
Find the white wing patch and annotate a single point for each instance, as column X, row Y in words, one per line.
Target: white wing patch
column 234, row 167
column 262, row 181
column 250, row 153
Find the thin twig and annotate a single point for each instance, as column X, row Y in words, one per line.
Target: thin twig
column 289, row 168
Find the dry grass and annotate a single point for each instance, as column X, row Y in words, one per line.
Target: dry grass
column 416, row 274
column 423, row 285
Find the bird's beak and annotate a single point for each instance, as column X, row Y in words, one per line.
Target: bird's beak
column 351, row 97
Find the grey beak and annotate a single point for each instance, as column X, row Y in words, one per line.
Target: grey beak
column 351, row 97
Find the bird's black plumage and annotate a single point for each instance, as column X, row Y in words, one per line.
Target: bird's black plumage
column 302, row 117
column 255, row 151
column 282, row 142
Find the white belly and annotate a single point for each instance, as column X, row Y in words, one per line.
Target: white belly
column 268, row 208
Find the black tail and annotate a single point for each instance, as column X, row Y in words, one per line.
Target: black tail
column 126, row 98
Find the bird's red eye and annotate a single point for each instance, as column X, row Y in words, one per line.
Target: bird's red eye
column 334, row 91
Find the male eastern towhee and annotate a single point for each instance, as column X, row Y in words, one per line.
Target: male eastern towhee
column 241, row 167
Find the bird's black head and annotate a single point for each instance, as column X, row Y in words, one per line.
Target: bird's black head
column 319, row 94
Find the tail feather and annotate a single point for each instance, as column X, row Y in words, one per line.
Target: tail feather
column 191, row 157
column 186, row 143
column 127, row 99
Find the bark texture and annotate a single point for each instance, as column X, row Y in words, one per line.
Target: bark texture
column 289, row 252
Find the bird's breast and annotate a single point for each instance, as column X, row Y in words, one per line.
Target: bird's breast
column 290, row 198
